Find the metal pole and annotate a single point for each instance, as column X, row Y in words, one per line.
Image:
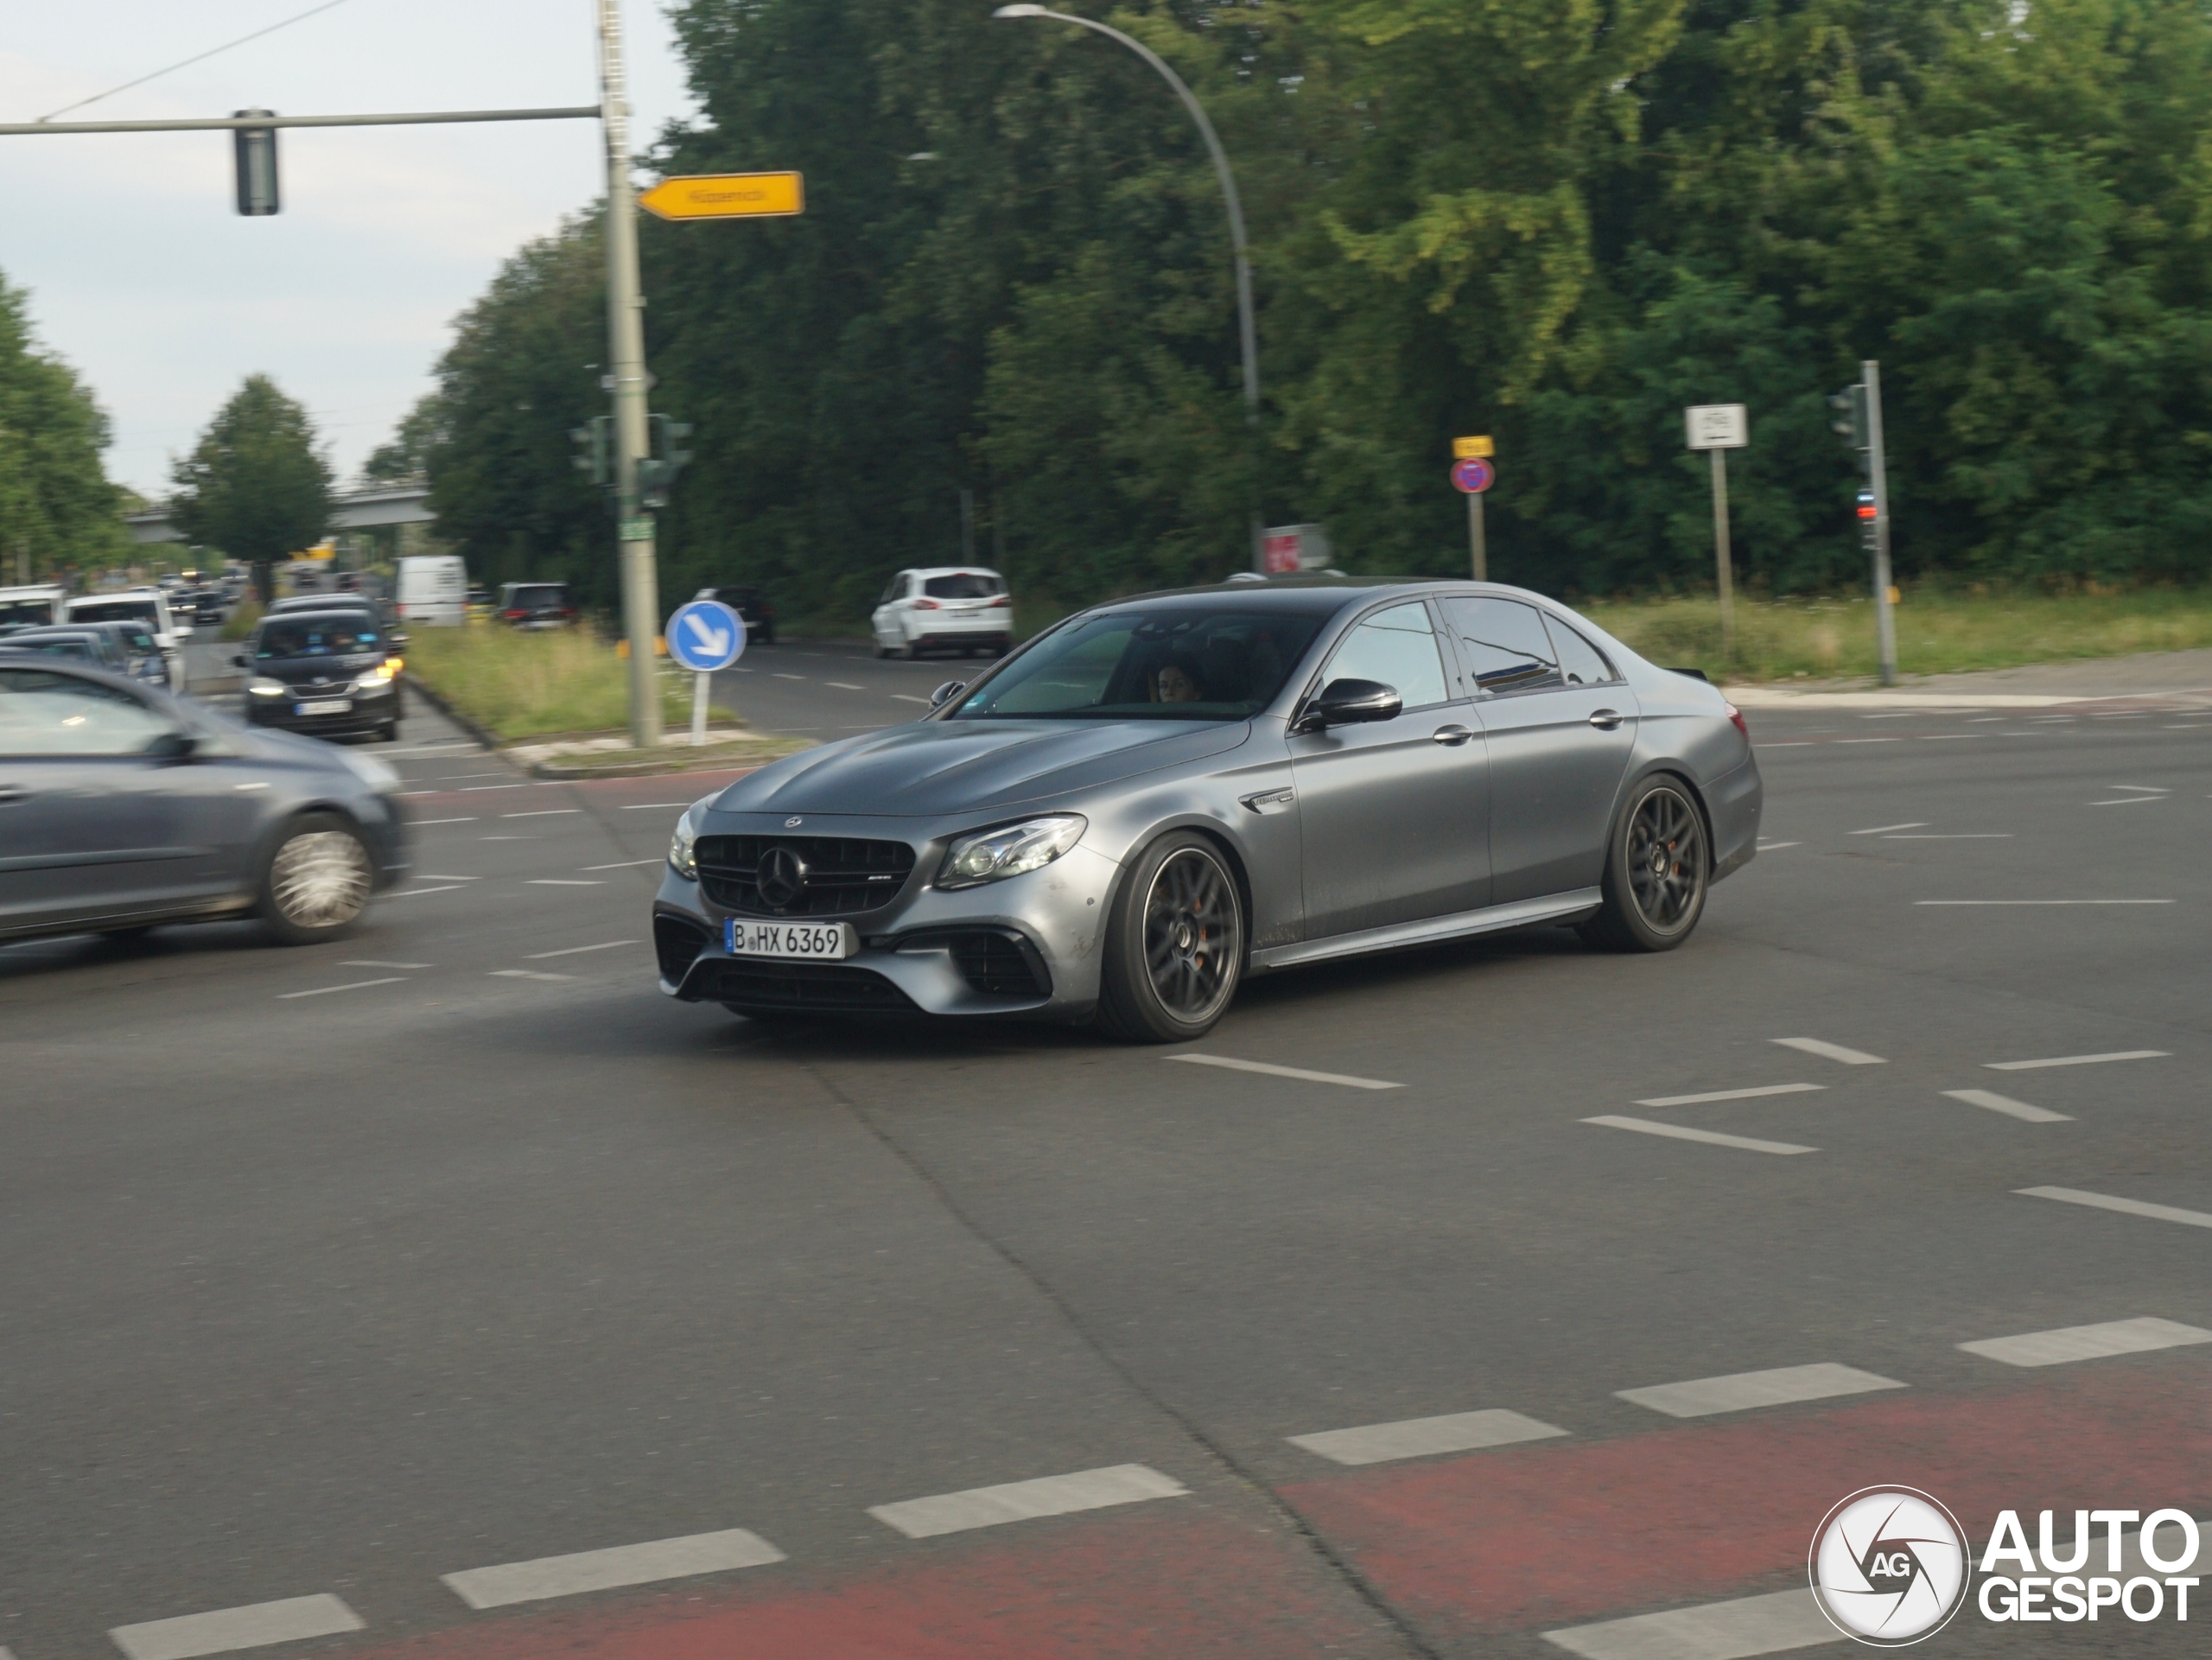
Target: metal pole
column 1878, row 472
column 626, row 337
column 699, row 686
column 1721, row 557
column 1248, row 336
column 1477, row 544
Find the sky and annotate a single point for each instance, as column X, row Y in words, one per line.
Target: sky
column 145, row 276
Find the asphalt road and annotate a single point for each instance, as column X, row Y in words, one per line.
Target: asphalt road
column 831, row 689
column 333, row 1272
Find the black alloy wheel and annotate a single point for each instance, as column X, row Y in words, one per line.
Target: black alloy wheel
column 1175, row 944
column 1657, row 870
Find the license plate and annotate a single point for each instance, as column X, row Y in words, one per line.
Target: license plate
column 325, row 706
column 824, row 941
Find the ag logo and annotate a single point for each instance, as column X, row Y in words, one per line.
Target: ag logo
column 1889, row 1566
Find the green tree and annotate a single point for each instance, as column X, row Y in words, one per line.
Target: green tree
column 254, row 486
column 57, row 508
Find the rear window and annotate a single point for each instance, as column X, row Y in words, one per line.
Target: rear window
column 968, row 585
column 116, row 611
column 538, row 596
column 287, row 637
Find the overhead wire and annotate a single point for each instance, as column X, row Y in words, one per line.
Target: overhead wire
column 202, row 58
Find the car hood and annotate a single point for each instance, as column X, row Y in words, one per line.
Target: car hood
column 946, row 766
column 334, row 669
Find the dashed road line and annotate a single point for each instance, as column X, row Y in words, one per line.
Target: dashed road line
column 418, row 893
column 605, row 1570
column 1717, row 1630
column 432, row 876
column 908, row 697
column 1710, row 1137
column 1957, row 836
column 1884, row 829
column 842, row 685
column 1703, row 1397
column 542, row 812
column 367, row 963
column 1023, row 1501
column 2127, row 800
column 1776, row 847
column 2072, row 1342
column 1730, row 1095
column 1271, row 1070
column 530, row 974
column 476, row 789
column 575, row 951
column 2125, row 1207
column 324, row 991
column 225, row 1630
column 2074, row 1060
column 652, row 806
column 561, row 882
column 423, row 823
column 790, row 677
column 1827, row 1052
column 625, row 864
column 2042, row 902
column 2012, row 1109
column 1413, row 1438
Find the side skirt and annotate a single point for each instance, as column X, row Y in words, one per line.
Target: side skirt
column 1552, row 907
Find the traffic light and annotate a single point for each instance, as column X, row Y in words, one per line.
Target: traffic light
column 1848, row 420
column 658, row 473
column 1869, row 522
column 591, row 455
column 255, row 149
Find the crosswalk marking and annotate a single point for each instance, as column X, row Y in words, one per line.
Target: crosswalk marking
column 1023, row 1501
column 1830, row 1052
column 225, row 1630
column 605, row 1570
column 1412, row 1438
column 2006, row 1104
column 1710, row 1137
column 1701, row 1397
column 2071, row 1343
column 1718, row 1630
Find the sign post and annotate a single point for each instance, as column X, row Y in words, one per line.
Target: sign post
column 705, row 636
column 1878, row 480
column 1720, row 428
column 1471, row 474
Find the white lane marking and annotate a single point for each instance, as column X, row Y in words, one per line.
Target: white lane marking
column 1412, row 1438
column 2006, row 1104
column 560, row 881
column 431, row 876
column 1776, row 847
column 420, row 823
column 908, row 697
column 1730, row 1095
column 1701, row 1397
column 418, row 893
column 1867, row 741
column 625, row 864
column 572, row 950
column 474, row 789
column 1884, row 829
column 1717, row 1630
column 2042, row 902
column 2142, row 789
column 528, row 974
column 843, row 685
column 403, row 794
column 1948, row 737
column 790, row 677
column 457, row 778
column 357, row 985
column 541, row 813
column 1830, row 1051
column 651, row 806
column 2074, row 1060
column 225, row 1629
column 367, row 962
column 2126, row 800
column 2071, row 1343
column 605, row 1570
column 1711, row 1137
column 1957, row 836
column 1272, row 1070
column 2125, row 1207
column 1794, row 743
column 507, row 838
column 1022, row 1501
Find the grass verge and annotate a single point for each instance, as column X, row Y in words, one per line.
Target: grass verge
column 1938, row 633
column 527, row 685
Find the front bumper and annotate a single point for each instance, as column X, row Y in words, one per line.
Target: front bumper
column 1027, row 946
column 370, row 710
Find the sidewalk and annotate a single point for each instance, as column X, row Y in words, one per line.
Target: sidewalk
column 2175, row 679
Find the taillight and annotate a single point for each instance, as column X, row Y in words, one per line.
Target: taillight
column 1003, row 600
column 1736, row 719
column 927, row 605
column 514, row 614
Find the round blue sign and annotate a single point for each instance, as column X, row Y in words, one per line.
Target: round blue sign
column 705, row 635
column 1473, row 475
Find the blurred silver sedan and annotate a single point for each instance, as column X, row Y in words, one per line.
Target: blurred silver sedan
column 1166, row 793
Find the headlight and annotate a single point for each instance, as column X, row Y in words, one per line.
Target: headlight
column 377, row 775
column 680, row 859
column 264, row 687
column 374, row 679
column 992, row 855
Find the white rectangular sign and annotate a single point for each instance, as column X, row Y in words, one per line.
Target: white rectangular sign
column 1717, row 426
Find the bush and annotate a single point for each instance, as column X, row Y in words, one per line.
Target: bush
column 526, row 685
column 241, row 621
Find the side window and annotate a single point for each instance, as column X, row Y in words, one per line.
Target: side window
column 46, row 714
column 1505, row 644
column 1398, row 648
column 1580, row 662
column 891, row 589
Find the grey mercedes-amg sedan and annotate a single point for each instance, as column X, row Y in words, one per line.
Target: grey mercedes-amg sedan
column 1166, row 793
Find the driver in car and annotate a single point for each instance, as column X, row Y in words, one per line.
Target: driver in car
column 1175, row 685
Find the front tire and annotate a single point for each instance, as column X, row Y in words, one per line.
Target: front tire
column 1174, row 944
column 316, row 882
column 1658, row 868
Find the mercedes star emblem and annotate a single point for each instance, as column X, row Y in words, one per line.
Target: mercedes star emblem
column 793, row 823
column 782, row 876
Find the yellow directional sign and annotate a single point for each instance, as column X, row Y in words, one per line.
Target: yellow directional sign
column 726, row 196
column 1469, row 448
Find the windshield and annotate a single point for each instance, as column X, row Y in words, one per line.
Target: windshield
column 315, row 637
column 116, row 611
column 968, row 585
column 33, row 612
column 543, row 596
column 1165, row 664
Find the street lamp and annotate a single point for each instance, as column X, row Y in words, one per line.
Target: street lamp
column 1248, row 336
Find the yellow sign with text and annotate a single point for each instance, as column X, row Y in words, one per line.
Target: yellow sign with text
column 726, row 196
column 1472, row 448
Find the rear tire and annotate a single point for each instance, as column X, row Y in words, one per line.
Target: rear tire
column 1174, row 944
column 1658, row 869
column 315, row 883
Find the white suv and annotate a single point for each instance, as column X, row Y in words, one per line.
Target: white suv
column 963, row 608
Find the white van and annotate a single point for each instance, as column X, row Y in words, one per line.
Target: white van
column 31, row 607
column 149, row 606
column 434, row 590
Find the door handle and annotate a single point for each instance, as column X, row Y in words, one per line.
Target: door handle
column 1450, row 735
column 1605, row 719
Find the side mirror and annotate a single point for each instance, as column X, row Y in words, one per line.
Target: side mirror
column 946, row 693
column 240, row 660
column 172, row 746
column 1350, row 702
column 399, row 639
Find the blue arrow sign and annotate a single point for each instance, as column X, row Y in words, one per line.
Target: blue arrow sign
column 705, row 635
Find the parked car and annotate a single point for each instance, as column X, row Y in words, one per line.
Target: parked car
column 754, row 608
column 328, row 673
column 148, row 605
column 126, row 808
column 535, row 604
column 1166, row 794
column 433, row 590
column 958, row 608
column 34, row 606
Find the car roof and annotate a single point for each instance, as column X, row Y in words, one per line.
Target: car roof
column 1318, row 594
column 952, row 570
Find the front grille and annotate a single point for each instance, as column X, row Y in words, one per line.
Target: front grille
column 998, row 965
column 677, row 944
column 845, row 877
column 823, row 987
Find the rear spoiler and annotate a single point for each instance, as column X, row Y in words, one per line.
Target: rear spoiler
column 1694, row 674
